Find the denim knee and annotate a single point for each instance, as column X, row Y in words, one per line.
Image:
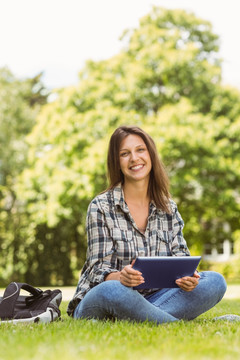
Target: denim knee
column 215, row 282
column 100, row 298
column 112, row 291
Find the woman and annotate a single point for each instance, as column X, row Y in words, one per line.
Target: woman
column 136, row 217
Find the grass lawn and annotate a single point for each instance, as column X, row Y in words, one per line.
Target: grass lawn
column 71, row 339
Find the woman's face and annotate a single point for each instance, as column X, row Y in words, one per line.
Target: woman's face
column 135, row 161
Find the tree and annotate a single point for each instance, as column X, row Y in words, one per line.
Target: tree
column 19, row 105
column 167, row 79
column 201, row 155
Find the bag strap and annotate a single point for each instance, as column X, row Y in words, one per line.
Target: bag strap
column 11, row 295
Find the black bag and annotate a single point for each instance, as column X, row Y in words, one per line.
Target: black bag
column 40, row 306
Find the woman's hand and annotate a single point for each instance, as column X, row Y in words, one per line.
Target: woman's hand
column 131, row 277
column 188, row 283
column 128, row 276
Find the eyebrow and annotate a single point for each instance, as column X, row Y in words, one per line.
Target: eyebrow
column 135, row 147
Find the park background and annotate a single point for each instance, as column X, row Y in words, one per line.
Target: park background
column 66, row 82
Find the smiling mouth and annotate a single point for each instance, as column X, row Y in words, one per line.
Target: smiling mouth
column 136, row 167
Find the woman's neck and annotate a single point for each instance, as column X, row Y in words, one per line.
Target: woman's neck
column 136, row 193
column 137, row 199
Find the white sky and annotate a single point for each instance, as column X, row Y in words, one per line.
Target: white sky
column 58, row 36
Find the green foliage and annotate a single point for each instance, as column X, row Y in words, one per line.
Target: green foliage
column 19, row 104
column 173, row 54
column 166, row 79
column 200, row 153
column 17, row 115
column 229, row 269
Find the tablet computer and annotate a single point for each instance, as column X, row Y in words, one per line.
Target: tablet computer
column 162, row 271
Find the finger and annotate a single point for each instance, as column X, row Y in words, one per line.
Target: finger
column 188, row 281
column 131, row 277
column 196, row 275
column 186, row 288
column 128, row 269
column 130, row 281
column 186, row 285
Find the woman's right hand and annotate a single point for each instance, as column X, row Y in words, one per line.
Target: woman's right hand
column 131, row 277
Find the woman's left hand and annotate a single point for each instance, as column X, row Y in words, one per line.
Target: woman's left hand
column 188, row 283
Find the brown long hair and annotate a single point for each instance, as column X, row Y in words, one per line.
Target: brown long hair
column 158, row 188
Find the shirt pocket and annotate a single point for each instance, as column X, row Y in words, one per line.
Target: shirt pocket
column 161, row 245
column 124, row 245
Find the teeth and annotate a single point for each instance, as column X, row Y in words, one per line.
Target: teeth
column 136, row 167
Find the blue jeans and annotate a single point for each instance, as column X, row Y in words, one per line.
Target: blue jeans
column 111, row 299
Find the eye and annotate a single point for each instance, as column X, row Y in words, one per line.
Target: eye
column 141, row 149
column 123, row 154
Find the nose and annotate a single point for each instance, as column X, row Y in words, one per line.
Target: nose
column 134, row 156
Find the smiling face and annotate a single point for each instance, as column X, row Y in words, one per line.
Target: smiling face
column 135, row 161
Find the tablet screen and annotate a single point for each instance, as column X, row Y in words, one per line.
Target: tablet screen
column 162, row 271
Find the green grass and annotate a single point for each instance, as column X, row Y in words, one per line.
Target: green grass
column 81, row 339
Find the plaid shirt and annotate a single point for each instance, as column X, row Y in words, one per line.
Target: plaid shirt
column 114, row 239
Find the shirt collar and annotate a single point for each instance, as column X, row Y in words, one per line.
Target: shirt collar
column 119, row 200
column 118, row 196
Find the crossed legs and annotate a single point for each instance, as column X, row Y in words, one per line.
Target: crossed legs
column 111, row 299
